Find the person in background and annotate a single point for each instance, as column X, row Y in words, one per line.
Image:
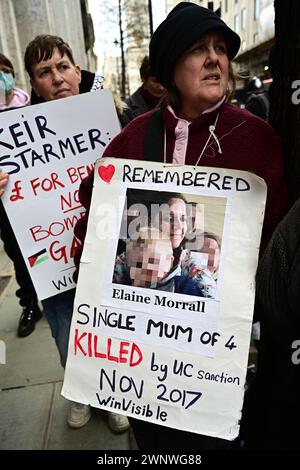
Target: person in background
column 12, row 98
column 190, row 54
column 258, row 100
column 54, row 75
column 258, row 103
column 272, row 419
column 147, row 96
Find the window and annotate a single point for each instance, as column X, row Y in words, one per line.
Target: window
column 236, row 23
column 226, row 6
column 244, row 19
column 256, row 9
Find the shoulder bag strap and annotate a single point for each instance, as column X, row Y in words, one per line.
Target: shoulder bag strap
column 154, row 139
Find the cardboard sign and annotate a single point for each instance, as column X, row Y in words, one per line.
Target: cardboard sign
column 48, row 149
column 164, row 303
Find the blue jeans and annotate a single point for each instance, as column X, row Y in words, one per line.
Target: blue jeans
column 58, row 310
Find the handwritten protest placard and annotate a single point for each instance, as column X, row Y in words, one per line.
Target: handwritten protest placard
column 47, row 150
column 164, row 303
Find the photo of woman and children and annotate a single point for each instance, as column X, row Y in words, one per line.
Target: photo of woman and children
column 171, row 242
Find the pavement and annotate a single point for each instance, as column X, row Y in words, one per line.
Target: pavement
column 32, row 411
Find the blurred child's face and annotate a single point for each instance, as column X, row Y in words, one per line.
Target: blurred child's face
column 149, row 263
column 211, row 250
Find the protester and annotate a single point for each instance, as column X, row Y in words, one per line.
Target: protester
column 11, row 98
column 54, row 75
column 257, row 98
column 189, row 55
column 258, row 103
column 274, row 412
column 147, row 96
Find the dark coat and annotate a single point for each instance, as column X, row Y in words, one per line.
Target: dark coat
column 259, row 104
column 247, row 143
column 137, row 104
column 272, row 421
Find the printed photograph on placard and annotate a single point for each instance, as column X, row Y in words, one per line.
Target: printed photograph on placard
column 171, row 242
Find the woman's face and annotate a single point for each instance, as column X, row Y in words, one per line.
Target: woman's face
column 201, row 75
column 56, row 77
column 173, row 221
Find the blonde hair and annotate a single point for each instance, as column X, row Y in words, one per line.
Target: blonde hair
column 147, row 235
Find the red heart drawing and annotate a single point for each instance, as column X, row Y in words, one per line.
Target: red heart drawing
column 106, row 172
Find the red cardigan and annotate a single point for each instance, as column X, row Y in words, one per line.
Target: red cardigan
column 247, row 142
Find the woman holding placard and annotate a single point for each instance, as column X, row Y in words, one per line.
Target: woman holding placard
column 190, row 55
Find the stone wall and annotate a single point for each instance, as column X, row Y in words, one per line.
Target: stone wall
column 22, row 20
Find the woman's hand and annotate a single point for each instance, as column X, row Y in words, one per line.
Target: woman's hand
column 3, row 182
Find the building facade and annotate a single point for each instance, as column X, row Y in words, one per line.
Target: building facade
column 253, row 21
column 22, row 20
column 138, row 34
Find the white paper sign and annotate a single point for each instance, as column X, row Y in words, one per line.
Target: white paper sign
column 48, row 149
column 161, row 326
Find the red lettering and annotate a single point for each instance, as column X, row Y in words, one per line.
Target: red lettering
column 82, row 172
column 72, row 175
column 55, row 229
column 37, row 230
column 123, row 351
column 46, row 184
column 135, row 349
column 109, row 357
column 77, row 343
column 78, row 174
column 97, row 353
column 64, row 201
column 75, row 244
column 90, row 351
column 59, row 253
